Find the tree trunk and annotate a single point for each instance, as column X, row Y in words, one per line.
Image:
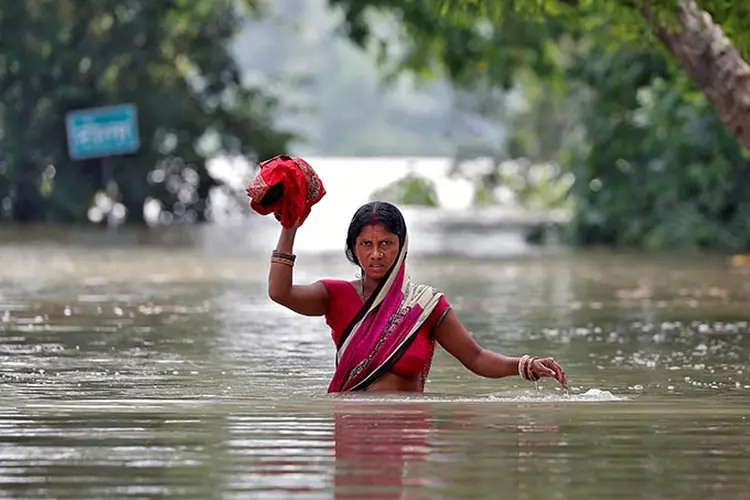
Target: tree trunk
column 713, row 63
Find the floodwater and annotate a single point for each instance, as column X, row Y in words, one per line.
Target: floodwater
column 148, row 364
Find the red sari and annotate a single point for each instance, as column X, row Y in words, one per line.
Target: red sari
column 386, row 329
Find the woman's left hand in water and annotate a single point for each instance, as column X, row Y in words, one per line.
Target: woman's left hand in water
column 548, row 367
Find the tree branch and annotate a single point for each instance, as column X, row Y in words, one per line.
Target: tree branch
column 712, row 62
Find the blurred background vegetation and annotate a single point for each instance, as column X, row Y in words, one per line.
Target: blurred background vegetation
column 630, row 115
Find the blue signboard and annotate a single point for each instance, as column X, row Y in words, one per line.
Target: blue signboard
column 104, row 131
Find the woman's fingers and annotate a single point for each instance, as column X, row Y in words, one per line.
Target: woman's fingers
column 543, row 369
column 548, row 367
column 554, row 370
column 560, row 374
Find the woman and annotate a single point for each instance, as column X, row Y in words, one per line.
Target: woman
column 384, row 326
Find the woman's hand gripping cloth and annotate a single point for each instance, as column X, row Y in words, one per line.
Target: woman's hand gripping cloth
column 286, row 186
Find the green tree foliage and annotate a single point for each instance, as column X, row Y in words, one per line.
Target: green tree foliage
column 464, row 24
column 653, row 164
column 411, row 190
column 170, row 58
column 658, row 169
column 443, row 38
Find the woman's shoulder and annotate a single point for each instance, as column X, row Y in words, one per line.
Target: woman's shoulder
column 443, row 300
column 343, row 302
column 442, row 308
column 443, row 305
column 335, row 286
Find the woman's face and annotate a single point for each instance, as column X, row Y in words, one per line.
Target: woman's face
column 376, row 249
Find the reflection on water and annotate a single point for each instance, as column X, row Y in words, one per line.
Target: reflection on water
column 145, row 364
column 324, row 449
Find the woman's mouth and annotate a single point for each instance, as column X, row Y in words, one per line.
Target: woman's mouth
column 377, row 266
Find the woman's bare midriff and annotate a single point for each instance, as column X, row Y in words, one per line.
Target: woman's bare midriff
column 391, row 382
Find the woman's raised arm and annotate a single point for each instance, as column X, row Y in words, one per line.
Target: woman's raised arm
column 310, row 300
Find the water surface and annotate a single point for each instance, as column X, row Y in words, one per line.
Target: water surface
column 146, row 364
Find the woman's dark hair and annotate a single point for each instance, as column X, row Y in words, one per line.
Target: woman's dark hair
column 374, row 212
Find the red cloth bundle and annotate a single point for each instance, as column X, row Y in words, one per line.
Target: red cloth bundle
column 286, row 186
